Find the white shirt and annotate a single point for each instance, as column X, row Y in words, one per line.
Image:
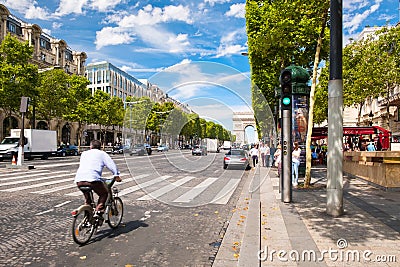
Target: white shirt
column 91, row 166
column 296, row 154
column 254, row 151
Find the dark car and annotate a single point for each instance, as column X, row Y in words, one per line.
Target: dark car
column 140, row 150
column 120, row 149
column 237, row 158
column 67, row 150
column 199, row 151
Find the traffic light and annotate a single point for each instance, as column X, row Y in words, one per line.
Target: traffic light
column 286, row 87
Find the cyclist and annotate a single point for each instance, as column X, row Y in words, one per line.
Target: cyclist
column 89, row 174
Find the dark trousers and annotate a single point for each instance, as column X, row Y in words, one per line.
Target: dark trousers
column 100, row 189
column 255, row 160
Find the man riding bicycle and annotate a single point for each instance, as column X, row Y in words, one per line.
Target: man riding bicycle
column 89, row 174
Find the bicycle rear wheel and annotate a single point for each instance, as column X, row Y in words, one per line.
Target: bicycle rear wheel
column 115, row 213
column 82, row 229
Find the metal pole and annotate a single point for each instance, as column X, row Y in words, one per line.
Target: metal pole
column 286, row 156
column 20, row 159
column 335, row 115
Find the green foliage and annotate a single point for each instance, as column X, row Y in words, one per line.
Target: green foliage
column 281, row 33
column 52, row 95
column 18, row 77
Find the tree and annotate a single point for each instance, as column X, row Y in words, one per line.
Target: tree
column 280, row 33
column 18, row 77
column 78, row 103
column 52, row 98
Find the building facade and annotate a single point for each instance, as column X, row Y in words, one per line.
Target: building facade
column 48, row 52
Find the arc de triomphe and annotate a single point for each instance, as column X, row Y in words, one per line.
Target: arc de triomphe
column 241, row 120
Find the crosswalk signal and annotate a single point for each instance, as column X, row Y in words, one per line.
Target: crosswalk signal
column 286, row 88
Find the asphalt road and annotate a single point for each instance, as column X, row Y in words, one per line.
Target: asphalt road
column 177, row 208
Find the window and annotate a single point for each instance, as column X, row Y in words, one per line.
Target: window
column 108, row 76
column 11, row 27
column 99, row 76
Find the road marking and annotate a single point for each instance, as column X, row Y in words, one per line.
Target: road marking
column 36, row 179
column 195, row 191
column 62, row 204
column 225, row 194
column 37, row 185
column 16, row 179
column 142, row 185
column 54, row 189
column 44, row 212
column 163, row 190
column 78, row 193
column 17, row 173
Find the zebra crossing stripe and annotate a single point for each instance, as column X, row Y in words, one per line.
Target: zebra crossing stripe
column 54, row 189
column 35, row 179
column 29, row 175
column 78, row 193
column 163, row 190
column 142, row 185
column 225, row 194
column 15, row 173
column 36, row 185
column 195, row 191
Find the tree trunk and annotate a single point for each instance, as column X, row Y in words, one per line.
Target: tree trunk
column 307, row 178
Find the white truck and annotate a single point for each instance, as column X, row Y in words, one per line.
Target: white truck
column 38, row 143
column 212, row 145
column 227, row 145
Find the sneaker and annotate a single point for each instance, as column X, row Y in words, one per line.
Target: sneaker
column 99, row 216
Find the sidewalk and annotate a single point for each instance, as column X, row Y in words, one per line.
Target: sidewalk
column 264, row 231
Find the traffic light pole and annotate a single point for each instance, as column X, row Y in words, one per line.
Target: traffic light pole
column 286, row 156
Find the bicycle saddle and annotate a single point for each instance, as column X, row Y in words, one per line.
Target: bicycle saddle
column 85, row 188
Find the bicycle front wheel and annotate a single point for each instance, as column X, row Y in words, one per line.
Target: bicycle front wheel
column 82, row 229
column 115, row 213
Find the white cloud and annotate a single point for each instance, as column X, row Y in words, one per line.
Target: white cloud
column 37, row 13
column 56, row 25
column 213, row 2
column 112, row 36
column 236, row 10
column 29, row 8
column 353, row 22
column 70, row 6
column 104, row 5
column 227, row 45
column 145, row 24
column 152, row 16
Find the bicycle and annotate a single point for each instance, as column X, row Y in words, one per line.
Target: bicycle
column 85, row 224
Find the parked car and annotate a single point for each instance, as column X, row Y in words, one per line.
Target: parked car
column 120, row 149
column 162, row 148
column 237, row 158
column 67, row 150
column 199, row 150
column 140, row 150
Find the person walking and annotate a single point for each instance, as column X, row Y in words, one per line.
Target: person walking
column 267, row 155
column 295, row 164
column 254, row 154
column 277, row 159
column 263, row 151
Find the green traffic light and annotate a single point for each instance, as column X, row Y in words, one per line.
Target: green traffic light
column 286, row 101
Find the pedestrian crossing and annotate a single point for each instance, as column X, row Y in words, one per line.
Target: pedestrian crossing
column 178, row 189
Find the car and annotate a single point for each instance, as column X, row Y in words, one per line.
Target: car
column 237, row 158
column 120, row 149
column 140, row 150
column 162, row 148
column 199, row 150
column 67, row 150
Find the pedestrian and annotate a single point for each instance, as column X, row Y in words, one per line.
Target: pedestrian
column 295, row 164
column 267, row 155
column 371, row 147
column 254, row 154
column 272, row 153
column 263, row 151
column 277, row 157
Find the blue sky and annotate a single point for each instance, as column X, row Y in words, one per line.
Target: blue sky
column 148, row 37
